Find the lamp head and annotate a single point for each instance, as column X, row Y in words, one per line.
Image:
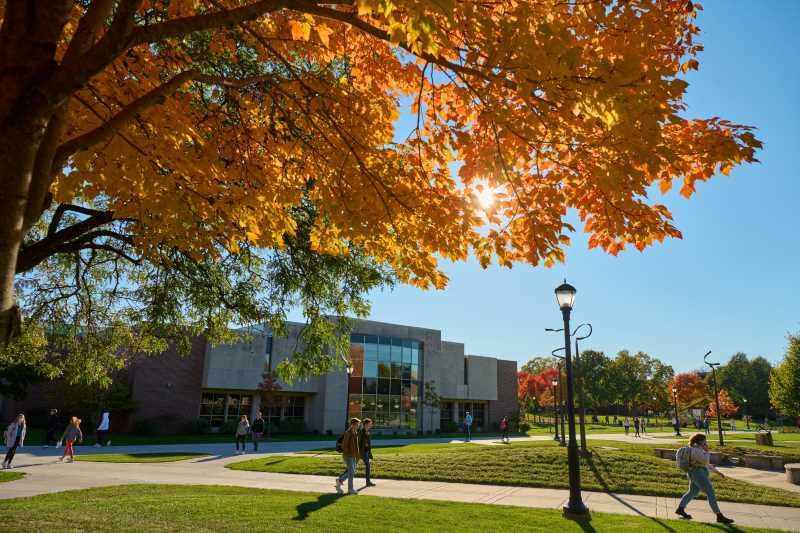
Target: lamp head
column 565, row 295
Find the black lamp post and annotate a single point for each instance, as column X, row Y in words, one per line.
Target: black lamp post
column 555, row 409
column 560, row 396
column 677, row 419
column 565, row 296
column 349, row 369
column 716, row 394
column 744, row 413
column 655, row 410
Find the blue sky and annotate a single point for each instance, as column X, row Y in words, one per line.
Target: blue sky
column 730, row 285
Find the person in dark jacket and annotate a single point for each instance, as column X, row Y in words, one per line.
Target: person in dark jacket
column 52, row 428
column 365, row 448
column 257, row 429
column 636, row 426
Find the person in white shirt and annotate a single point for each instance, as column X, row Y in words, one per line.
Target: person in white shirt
column 698, row 475
column 102, row 430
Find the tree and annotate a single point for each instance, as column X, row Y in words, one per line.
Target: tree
column 748, row 380
column 537, row 364
column 526, row 392
column 268, row 390
column 784, row 382
column 629, row 375
column 201, row 125
column 595, row 367
column 431, row 400
column 691, row 389
column 726, row 405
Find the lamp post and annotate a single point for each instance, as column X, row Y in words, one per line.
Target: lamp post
column 560, row 396
column 744, row 413
column 555, row 411
column 349, row 369
column 716, row 395
column 677, row 419
column 565, row 297
column 655, row 410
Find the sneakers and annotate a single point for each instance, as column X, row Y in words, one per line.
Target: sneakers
column 722, row 519
column 108, row 443
column 683, row 514
column 370, row 484
column 339, row 487
column 352, row 493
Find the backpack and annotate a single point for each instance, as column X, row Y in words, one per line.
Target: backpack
column 339, row 441
column 503, row 424
column 683, row 458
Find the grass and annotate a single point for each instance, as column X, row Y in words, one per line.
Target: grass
column 10, row 476
column 168, row 508
column 631, row 469
column 140, row 457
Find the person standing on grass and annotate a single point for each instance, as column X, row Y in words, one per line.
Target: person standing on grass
column 636, row 426
column 102, row 429
column 242, row 429
column 468, row 426
column 15, row 437
column 504, row 429
column 257, row 430
column 72, row 434
column 349, row 451
column 365, row 449
column 695, row 460
column 627, row 425
column 52, row 428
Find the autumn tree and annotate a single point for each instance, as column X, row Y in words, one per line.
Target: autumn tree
column 526, row 391
column 200, row 124
column 691, row 388
column 726, row 405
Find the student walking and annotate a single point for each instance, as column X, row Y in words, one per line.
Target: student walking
column 636, row 426
column 72, row 434
column 707, row 425
column 52, row 428
column 627, row 425
column 504, row 429
column 675, row 426
column 643, row 425
column 15, row 437
column 347, row 445
column 102, row 430
column 241, row 434
column 468, row 426
column 365, row 449
column 257, row 429
column 694, row 459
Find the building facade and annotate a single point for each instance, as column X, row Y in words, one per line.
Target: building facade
column 392, row 366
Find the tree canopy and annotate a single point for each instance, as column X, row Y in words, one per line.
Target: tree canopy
column 784, row 382
column 201, row 124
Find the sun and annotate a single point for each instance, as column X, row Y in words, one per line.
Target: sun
column 485, row 196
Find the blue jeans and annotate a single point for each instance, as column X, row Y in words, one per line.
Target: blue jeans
column 467, row 430
column 349, row 473
column 367, row 469
column 699, row 481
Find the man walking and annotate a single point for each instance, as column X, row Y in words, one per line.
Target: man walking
column 52, row 428
column 365, row 448
column 257, row 429
column 468, row 426
column 349, row 451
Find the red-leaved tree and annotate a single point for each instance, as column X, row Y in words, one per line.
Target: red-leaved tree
column 726, row 405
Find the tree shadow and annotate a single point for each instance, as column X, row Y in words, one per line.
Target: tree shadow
column 306, row 508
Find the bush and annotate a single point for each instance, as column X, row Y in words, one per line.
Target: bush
column 523, row 427
column 200, row 426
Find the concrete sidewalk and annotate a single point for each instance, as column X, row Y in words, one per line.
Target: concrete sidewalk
column 44, row 474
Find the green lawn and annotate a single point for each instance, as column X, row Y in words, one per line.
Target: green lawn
column 630, row 469
column 10, row 476
column 140, row 457
column 168, row 508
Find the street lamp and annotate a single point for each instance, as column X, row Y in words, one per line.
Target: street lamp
column 716, row 394
column 565, row 297
column 744, row 413
column 677, row 419
column 555, row 411
column 560, row 397
column 655, row 410
column 349, row 369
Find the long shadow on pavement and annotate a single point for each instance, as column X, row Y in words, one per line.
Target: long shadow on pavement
column 323, row 500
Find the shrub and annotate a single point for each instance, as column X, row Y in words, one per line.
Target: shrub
column 199, row 426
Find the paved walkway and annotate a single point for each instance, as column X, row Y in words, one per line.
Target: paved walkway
column 44, row 474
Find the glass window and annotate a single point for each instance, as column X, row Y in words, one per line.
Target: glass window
column 294, row 407
column 355, row 385
column 383, row 386
column 384, row 370
column 370, row 385
column 385, row 349
column 396, row 387
column 397, row 370
column 406, row 351
column 383, row 403
column 369, row 403
column 357, row 358
column 371, row 351
column 370, row 369
column 355, row 406
column 356, row 339
column 414, row 372
column 415, row 349
column 406, row 374
column 445, row 413
column 397, row 352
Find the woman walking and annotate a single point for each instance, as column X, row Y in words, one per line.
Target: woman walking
column 636, row 426
column 72, row 434
column 15, row 437
column 241, row 433
column 504, row 429
column 627, row 424
column 695, row 461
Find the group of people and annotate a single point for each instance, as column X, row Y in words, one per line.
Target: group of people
column 16, row 431
column 255, row 430
column 354, row 445
column 639, row 426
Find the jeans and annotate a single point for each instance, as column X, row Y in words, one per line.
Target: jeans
column 256, row 437
column 242, row 439
column 467, row 429
column 699, row 481
column 367, row 468
column 505, row 435
column 349, row 473
column 11, row 452
column 102, row 437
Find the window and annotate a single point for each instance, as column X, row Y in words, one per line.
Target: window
column 286, row 409
column 387, row 388
column 445, row 413
column 217, row 407
column 476, row 409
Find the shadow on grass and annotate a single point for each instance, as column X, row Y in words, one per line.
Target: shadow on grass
column 306, row 508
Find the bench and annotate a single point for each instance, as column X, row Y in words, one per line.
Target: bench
column 792, row 473
column 763, row 462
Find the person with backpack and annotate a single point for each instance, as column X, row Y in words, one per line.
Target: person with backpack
column 504, row 429
column 636, row 426
column 627, row 425
column 695, row 460
column 468, row 426
column 257, row 429
column 347, row 445
column 15, row 437
column 365, row 449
